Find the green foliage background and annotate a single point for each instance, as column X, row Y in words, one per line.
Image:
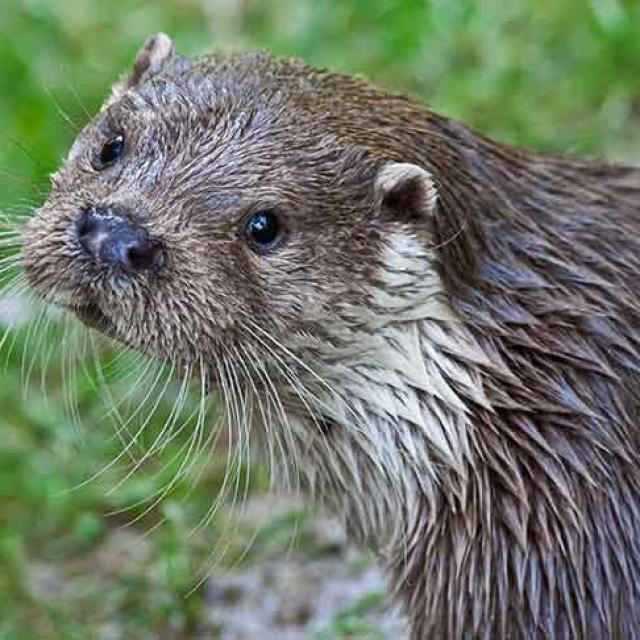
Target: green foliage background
column 558, row 76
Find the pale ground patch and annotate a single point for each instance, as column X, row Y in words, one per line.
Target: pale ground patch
column 314, row 586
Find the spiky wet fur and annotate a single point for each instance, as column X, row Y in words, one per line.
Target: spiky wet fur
column 462, row 387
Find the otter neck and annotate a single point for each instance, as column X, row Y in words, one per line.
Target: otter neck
column 388, row 413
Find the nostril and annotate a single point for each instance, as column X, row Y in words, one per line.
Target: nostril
column 113, row 240
column 91, row 231
column 87, row 224
column 144, row 255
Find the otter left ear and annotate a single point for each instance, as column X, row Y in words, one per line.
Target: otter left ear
column 405, row 192
column 154, row 55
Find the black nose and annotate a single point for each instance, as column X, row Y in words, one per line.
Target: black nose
column 110, row 239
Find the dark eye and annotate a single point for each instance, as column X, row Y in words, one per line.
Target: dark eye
column 110, row 153
column 263, row 230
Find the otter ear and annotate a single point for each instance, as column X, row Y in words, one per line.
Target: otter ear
column 405, row 192
column 155, row 53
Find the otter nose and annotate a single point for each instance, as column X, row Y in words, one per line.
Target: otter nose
column 112, row 240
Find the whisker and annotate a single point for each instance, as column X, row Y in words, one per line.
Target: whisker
column 334, row 393
column 31, row 184
column 113, row 414
column 209, row 445
column 189, row 445
column 69, row 376
column 226, row 535
column 47, row 360
column 161, row 490
column 160, row 441
column 117, row 458
column 61, row 111
column 78, row 100
column 286, row 427
column 201, row 445
column 266, row 421
column 141, row 405
column 16, row 289
column 231, row 452
column 102, row 389
column 34, row 329
column 244, row 425
column 289, row 353
column 237, row 412
column 27, row 153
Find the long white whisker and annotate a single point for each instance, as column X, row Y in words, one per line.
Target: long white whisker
column 257, row 328
column 65, row 116
column 243, row 415
column 35, row 328
column 286, row 428
column 131, row 443
column 266, row 419
column 181, row 470
column 103, row 391
column 227, row 417
column 18, row 290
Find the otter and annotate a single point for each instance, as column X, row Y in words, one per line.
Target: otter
column 445, row 329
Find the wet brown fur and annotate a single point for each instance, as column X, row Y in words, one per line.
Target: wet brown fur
column 536, row 534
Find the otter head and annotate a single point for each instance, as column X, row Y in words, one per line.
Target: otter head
column 208, row 212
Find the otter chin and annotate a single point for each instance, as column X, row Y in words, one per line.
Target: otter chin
column 446, row 328
column 91, row 316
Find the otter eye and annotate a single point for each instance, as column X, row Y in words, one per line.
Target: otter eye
column 263, row 231
column 110, row 153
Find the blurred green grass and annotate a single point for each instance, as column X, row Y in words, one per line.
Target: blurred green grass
column 561, row 77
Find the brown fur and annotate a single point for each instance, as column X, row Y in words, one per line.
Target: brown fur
column 534, row 530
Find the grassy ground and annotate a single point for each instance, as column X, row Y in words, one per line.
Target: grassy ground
column 557, row 76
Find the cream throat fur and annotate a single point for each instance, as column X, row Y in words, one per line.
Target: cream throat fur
column 394, row 381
